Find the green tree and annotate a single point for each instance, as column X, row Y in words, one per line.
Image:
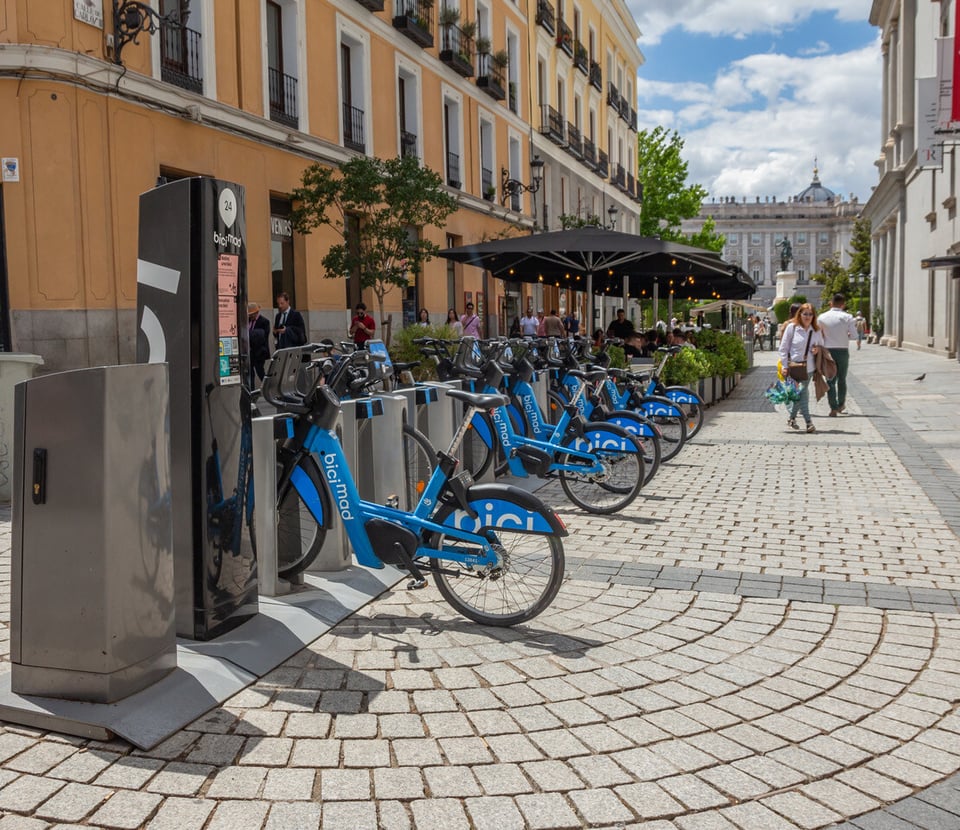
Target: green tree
column 667, row 198
column 833, row 277
column 859, row 270
column 393, row 200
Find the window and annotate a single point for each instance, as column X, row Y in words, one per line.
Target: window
column 487, row 154
column 824, row 237
column 515, row 169
column 353, row 93
column 408, row 113
column 756, row 276
column 733, row 238
column 513, row 72
column 452, row 138
column 181, row 52
column 801, row 274
column 801, row 238
column 756, row 239
column 281, row 60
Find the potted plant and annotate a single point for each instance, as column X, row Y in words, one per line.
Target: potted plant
column 483, row 45
column 449, row 16
column 490, row 193
column 501, row 59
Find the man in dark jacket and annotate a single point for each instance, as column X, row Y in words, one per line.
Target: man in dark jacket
column 259, row 334
column 288, row 327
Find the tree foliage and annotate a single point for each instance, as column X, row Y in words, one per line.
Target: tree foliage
column 667, row 198
column 391, row 200
column 853, row 280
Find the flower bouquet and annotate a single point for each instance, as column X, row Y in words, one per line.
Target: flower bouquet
column 783, row 391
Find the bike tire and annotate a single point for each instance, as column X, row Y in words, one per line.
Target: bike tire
column 555, row 405
column 299, row 537
column 693, row 411
column 652, row 455
column 419, row 462
column 526, row 586
column 612, row 490
column 673, row 428
column 475, row 455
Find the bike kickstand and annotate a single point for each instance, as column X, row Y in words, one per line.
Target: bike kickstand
column 419, row 580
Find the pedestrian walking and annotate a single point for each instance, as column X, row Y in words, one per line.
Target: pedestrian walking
column 759, row 331
column 571, row 324
column 838, row 329
column 470, row 322
column 288, row 326
column 423, row 318
column 529, row 324
column 553, row 325
column 453, row 321
column 362, row 326
column 799, row 346
column 259, row 333
column 861, row 323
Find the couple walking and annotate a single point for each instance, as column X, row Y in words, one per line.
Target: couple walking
column 810, row 348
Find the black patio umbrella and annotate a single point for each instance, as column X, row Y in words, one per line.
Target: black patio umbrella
column 596, row 260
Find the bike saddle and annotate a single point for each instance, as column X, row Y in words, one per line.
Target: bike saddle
column 481, row 400
column 590, row 375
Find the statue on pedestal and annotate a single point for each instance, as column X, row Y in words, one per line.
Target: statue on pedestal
column 786, row 253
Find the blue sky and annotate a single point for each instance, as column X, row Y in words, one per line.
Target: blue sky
column 758, row 89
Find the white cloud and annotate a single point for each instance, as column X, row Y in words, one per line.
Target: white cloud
column 734, row 18
column 756, row 128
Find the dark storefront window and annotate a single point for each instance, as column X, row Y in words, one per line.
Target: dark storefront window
column 281, row 253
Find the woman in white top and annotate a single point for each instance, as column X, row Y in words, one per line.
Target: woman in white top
column 800, row 343
column 423, row 318
column 453, row 321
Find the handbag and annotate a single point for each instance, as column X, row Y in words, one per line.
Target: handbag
column 798, row 371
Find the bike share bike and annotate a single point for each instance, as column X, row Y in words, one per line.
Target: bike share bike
column 494, row 550
column 599, row 465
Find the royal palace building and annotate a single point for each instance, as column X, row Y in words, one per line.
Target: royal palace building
column 526, row 109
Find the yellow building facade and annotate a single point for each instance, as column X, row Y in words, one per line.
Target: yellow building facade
column 252, row 91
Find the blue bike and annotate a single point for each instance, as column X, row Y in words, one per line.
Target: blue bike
column 494, row 550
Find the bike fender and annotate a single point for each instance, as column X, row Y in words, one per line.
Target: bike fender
column 660, row 408
column 599, row 437
column 482, row 428
column 507, row 507
column 681, row 396
column 631, row 423
column 311, row 498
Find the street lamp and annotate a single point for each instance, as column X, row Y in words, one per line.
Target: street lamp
column 515, row 187
column 612, row 212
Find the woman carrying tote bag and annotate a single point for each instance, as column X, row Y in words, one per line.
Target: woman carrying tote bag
column 799, row 345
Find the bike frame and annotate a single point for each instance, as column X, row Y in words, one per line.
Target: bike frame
column 490, row 512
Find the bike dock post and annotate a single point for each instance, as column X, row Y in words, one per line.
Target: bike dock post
column 265, row 509
column 372, row 430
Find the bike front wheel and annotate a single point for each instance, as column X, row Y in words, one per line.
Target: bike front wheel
column 299, row 536
column 476, row 454
column 692, row 410
column 419, row 460
column 612, row 488
column 522, row 587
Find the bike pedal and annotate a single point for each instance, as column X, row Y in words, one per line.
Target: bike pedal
column 416, row 584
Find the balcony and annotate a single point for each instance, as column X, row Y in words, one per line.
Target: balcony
column 453, row 170
column 353, row 129
column 631, row 186
column 596, row 76
column 415, row 19
column 574, row 141
column 457, row 50
column 589, row 154
column 180, row 57
column 619, row 176
column 408, row 145
column 624, row 109
column 565, row 37
column 487, row 186
column 490, row 77
column 512, row 97
column 372, row 5
column 633, row 119
column 613, row 96
column 580, row 59
column 546, row 17
column 283, row 98
column 551, row 125
column 603, row 166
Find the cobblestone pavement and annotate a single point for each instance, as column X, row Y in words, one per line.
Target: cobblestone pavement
column 768, row 638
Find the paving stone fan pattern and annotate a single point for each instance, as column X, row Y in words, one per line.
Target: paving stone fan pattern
column 697, row 670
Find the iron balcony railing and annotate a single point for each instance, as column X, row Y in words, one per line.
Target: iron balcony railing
column 453, row 170
column 631, row 187
column 596, row 75
column 546, row 17
column 603, row 165
column 353, row 137
column 624, row 108
column 180, row 57
column 613, row 96
column 589, row 153
column 490, row 76
column 551, row 124
column 486, row 184
column 283, row 98
column 580, row 59
column 574, row 141
column 564, row 37
column 408, row 145
column 633, row 119
column 619, row 177
column 415, row 19
column 457, row 49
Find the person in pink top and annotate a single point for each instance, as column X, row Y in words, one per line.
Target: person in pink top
column 470, row 322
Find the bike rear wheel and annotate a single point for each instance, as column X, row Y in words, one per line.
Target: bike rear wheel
column 525, row 585
column 613, row 488
column 419, row 460
column 693, row 411
column 299, row 536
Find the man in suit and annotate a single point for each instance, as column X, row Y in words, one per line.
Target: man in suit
column 259, row 333
column 288, row 327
